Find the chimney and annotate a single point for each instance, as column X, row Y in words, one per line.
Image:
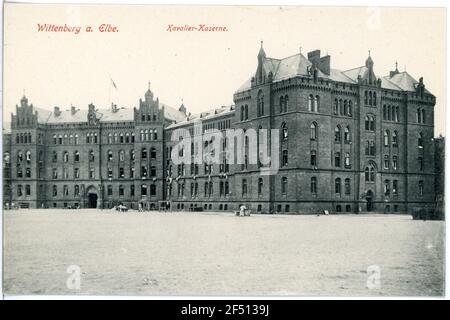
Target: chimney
column 56, row 111
column 73, row 110
column 114, row 108
column 314, row 57
column 324, row 64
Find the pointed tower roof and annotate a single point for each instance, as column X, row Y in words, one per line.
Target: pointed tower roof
column 261, row 52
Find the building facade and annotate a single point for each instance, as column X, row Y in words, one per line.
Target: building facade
column 349, row 141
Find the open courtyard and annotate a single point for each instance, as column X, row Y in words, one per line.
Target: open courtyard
column 155, row 253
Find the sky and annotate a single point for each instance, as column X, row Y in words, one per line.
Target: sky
column 203, row 69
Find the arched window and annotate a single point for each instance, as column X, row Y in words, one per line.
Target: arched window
column 144, row 153
column 66, row 156
column 260, row 186
column 419, row 116
column 350, row 108
column 110, row 155
column 337, row 185
column 386, row 138
column 246, row 110
column 367, row 123
column 76, row 139
column 375, row 99
column 423, row 115
column 121, row 139
column 389, row 113
column 394, row 162
column 76, row 156
column 284, row 131
column 341, row 107
column 337, row 159
column 121, row 155
column 366, row 101
column 347, row 135
column 142, row 137
column 242, row 113
column 155, row 135
column 132, row 155
column 286, row 103
column 260, row 102
column 281, row 104
column 313, row 158
column 316, row 103
column 153, row 153
column 347, row 186
column 395, row 139
column 386, row 162
column 367, row 174
column 345, row 107
column 372, row 123
column 384, row 112
column 313, row 185
column 91, row 155
column 337, row 134
column 146, row 135
column 372, row 174
column 370, row 98
column 284, row 185
column 387, row 187
column 347, row 160
column 313, row 131
column 310, row 103
column 71, row 139
column 420, row 140
column 28, row 155
column 336, row 106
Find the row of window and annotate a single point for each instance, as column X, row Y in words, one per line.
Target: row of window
column 370, row 98
column 391, row 113
column 148, row 135
column 67, row 139
column 224, row 188
column 121, row 137
column 343, row 107
column 109, row 154
column 23, row 138
column 420, row 115
column 149, row 117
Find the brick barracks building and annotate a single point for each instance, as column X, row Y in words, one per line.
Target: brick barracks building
column 350, row 141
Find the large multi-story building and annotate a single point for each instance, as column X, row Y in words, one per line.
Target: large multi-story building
column 349, row 141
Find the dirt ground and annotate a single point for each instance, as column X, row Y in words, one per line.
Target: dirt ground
column 221, row 254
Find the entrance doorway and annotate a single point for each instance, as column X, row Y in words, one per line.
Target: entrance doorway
column 92, row 200
column 369, row 199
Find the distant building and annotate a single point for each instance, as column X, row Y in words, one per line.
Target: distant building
column 350, row 141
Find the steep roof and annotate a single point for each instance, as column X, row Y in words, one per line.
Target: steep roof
column 104, row 114
column 298, row 64
column 206, row 115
